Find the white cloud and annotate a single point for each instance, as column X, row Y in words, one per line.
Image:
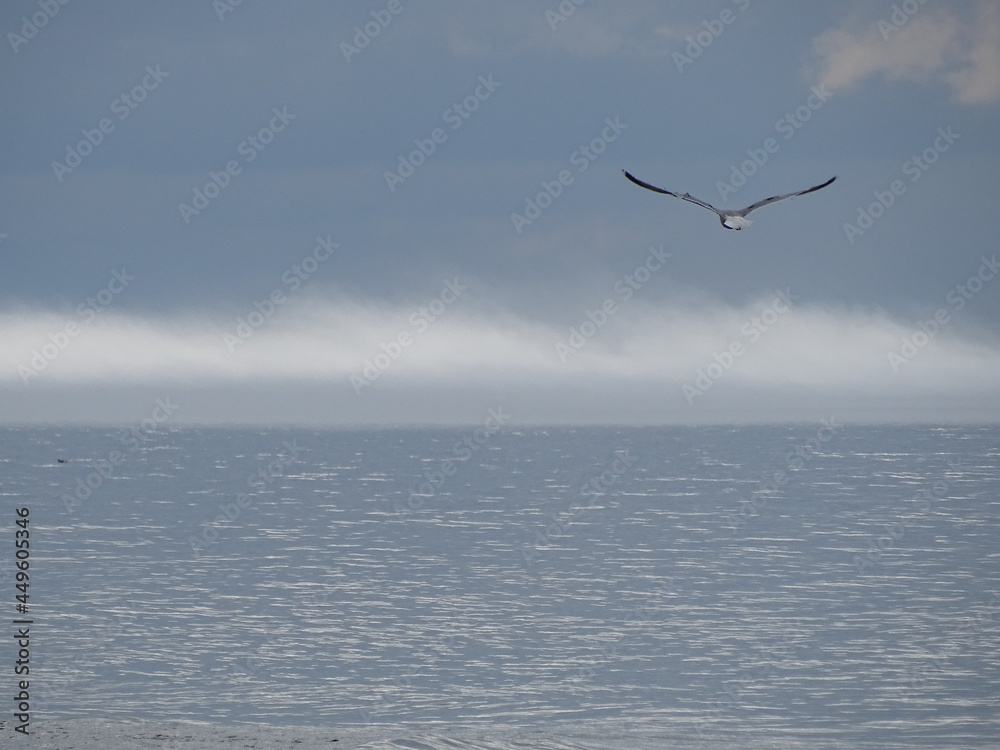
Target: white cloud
column 957, row 47
column 639, row 353
column 979, row 81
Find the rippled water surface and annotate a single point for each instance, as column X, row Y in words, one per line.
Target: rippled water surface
column 759, row 586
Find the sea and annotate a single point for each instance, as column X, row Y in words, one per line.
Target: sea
column 441, row 588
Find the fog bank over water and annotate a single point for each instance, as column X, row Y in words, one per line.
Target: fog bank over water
column 620, row 361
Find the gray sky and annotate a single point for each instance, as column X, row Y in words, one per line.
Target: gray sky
column 396, row 212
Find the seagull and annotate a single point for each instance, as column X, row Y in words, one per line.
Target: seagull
column 729, row 219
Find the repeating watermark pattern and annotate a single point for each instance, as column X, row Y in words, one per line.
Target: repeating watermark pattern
column 87, row 311
column 365, row 33
column 625, row 288
column 31, row 25
column 435, row 646
column 962, row 638
column 787, row 126
column 563, row 11
column 581, row 158
column 958, row 297
column 914, row 168
column 130, row 439
column 420, row 320
column 223, row 8
column 756, row 670
column 795, row 459
column 120, row 616
column 751, row 330
column 250, row 148
column 922, row 499
column 7, row 571
column 595, row 486
column 462, row 450
column 254, row 662
column 116, row 618
column 291, row 281
column 122, row 106
column 454, row 116
column 259, row 479
column 383, row 704
column 613, row 650
column 697, row 43
column 900, row 16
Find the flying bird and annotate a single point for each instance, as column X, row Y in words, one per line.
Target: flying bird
column 729, row 219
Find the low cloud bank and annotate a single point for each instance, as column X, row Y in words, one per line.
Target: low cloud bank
column 686, row 361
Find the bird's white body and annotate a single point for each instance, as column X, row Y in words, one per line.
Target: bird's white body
column 736, row 222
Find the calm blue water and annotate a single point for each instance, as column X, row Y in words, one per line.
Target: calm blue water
column 762, row 586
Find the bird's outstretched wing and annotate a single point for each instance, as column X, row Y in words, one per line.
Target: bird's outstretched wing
column 684, row 197
column 776, row 198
